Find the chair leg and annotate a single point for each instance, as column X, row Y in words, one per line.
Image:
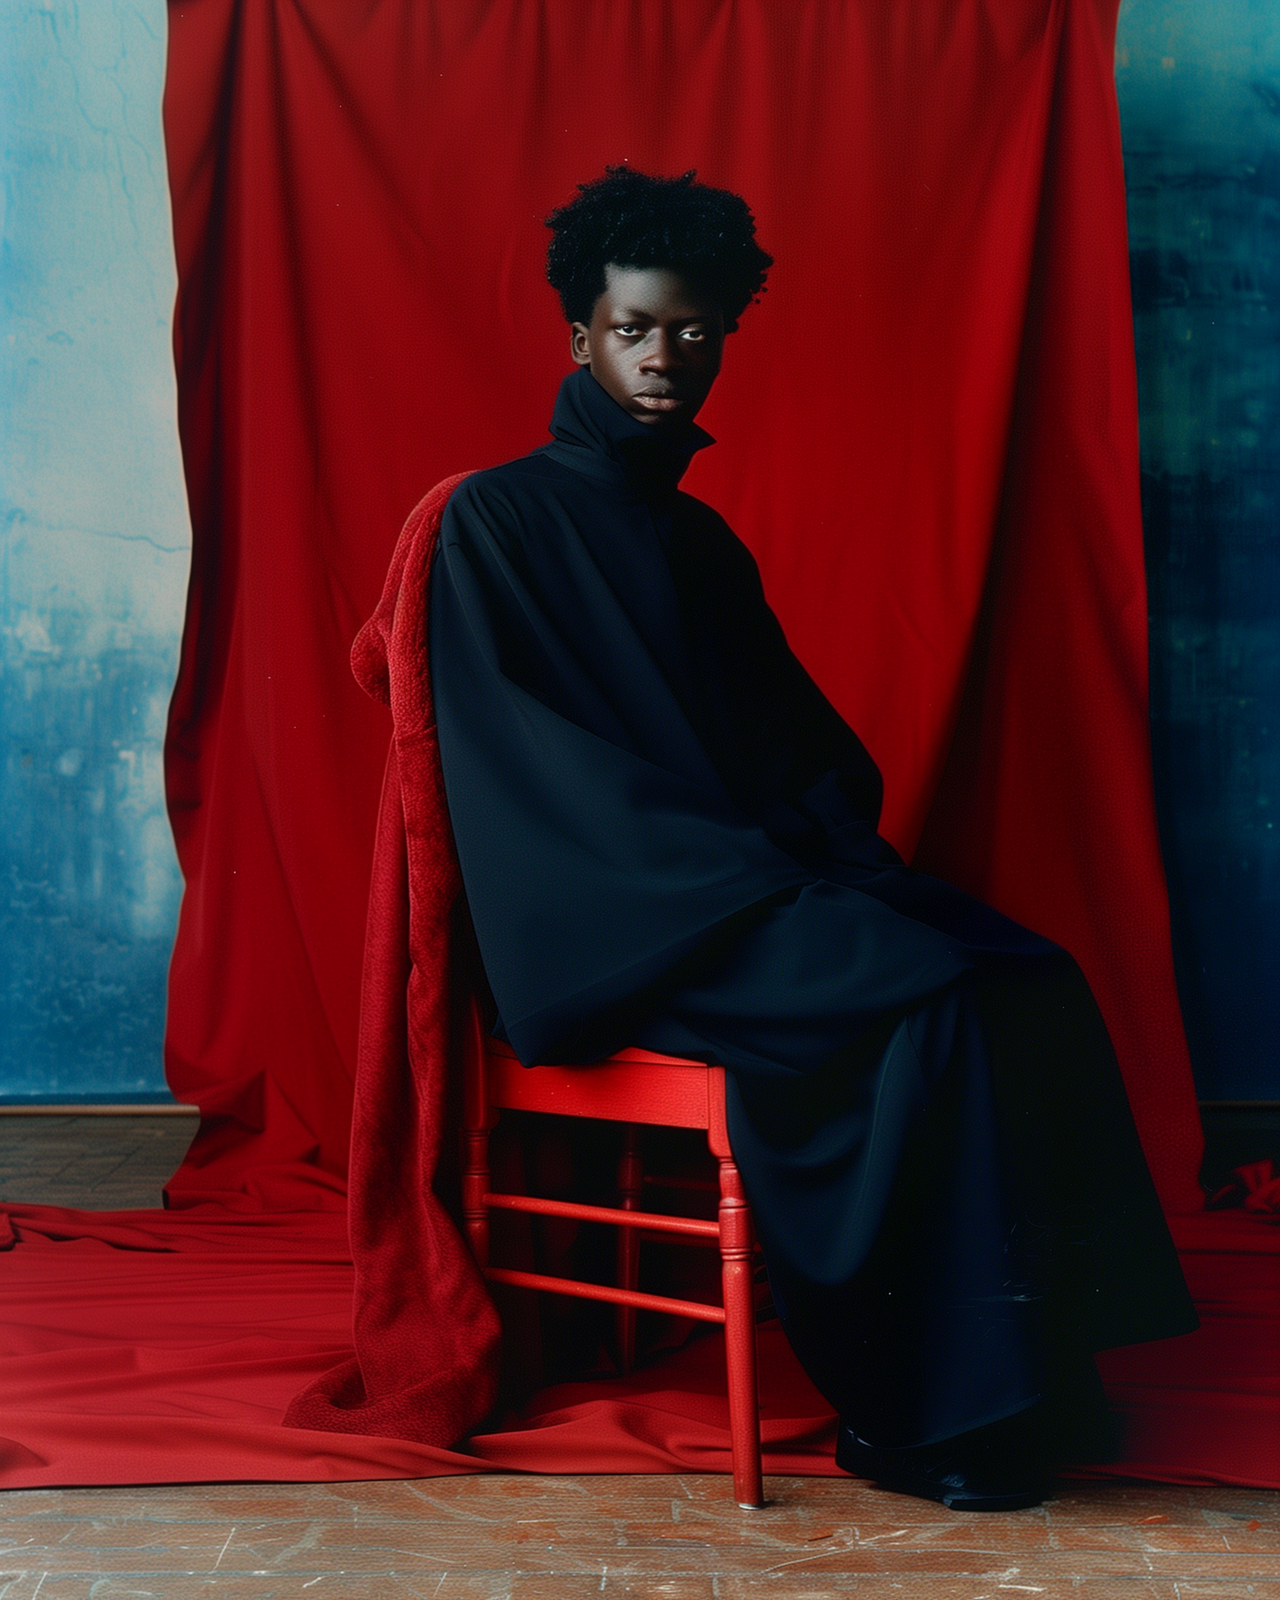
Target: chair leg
column 475, row 1185
column 478, row 1118
column 740, row 1338
column 630, row 1193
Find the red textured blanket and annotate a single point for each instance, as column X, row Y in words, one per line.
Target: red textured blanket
column 425, row 1331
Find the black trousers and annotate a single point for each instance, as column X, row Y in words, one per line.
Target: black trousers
column 950, row 1193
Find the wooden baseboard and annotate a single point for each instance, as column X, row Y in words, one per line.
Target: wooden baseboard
column 125, row 1110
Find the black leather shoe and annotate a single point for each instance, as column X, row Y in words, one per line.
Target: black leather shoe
column 990, row 1469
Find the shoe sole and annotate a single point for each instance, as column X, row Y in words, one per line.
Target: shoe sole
column 861, row 1462
column 961, row 1499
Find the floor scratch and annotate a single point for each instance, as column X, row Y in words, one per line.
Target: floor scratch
column 224, row 1549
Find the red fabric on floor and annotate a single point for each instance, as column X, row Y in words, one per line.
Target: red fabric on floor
column 357, row 201
column 238, row 1313
column 1206, row 1407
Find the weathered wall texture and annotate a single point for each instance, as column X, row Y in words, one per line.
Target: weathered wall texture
column 1200, row 105
column 95, row 548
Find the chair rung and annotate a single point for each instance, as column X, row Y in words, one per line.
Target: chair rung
column 650, row 1221
column 603, row 1291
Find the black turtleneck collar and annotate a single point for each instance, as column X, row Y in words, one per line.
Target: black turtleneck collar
column 595, row 436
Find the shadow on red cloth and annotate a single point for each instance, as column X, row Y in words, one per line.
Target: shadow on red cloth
column 942, row 492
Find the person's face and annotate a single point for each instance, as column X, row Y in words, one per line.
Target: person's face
column 653, row 344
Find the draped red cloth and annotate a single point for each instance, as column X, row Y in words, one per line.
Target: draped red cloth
column 426, row 1335
column 929, row 440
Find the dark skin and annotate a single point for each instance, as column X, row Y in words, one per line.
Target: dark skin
column 653, row 344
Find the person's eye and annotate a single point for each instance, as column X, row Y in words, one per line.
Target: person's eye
column 694, row 333
column 626, row 329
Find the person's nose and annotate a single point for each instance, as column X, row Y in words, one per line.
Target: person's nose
column 661, row 354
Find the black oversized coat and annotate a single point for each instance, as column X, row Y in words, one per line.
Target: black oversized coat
column 668, row 837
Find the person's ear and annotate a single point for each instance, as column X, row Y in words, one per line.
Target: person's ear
column 580, row 343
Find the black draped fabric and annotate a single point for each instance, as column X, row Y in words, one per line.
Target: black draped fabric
column 668, row 837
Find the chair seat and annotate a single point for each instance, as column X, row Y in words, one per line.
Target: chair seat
column 631, row 1086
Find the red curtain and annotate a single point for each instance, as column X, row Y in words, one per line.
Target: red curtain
column 928, row 437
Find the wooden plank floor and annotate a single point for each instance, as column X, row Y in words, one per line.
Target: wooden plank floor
column 107, row 1163
column 542, row 1538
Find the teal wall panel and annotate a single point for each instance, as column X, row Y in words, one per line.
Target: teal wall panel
column 1199, row 89
column 94, row 551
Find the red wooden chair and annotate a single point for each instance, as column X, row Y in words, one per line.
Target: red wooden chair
column 634, row 1087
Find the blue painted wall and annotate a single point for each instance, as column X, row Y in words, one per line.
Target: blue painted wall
column 95, row 541
column 95, row 549
column 1199, row 84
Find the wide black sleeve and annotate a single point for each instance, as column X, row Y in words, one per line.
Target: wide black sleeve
column 598, row 846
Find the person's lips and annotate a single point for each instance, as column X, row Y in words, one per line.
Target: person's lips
column 656, row 401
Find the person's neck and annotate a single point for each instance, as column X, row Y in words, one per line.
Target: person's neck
column 596, row 435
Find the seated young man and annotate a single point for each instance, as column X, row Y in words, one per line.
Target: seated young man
column 668, row 838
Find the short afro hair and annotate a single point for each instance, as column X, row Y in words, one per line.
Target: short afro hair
column 633, row 220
